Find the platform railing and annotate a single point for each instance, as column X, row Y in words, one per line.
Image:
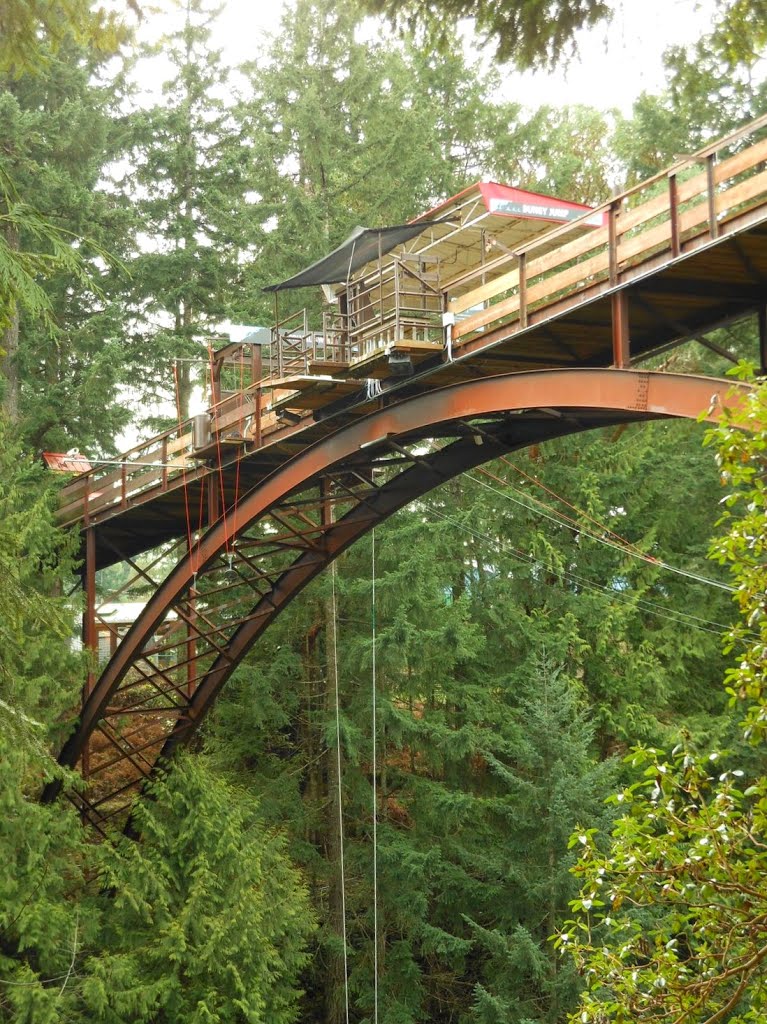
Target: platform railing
column 170, row 459
column 657, row 221
column 290, row 344
column 662, row 218
column 150, row 465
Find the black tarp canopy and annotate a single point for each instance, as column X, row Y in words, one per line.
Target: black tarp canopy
column 362, row 246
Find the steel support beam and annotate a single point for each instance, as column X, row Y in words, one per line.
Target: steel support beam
column 620, row 329
column 517, row 409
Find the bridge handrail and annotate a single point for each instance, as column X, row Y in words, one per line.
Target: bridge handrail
column 691, row 208
column 150, row 463
column 688, row 207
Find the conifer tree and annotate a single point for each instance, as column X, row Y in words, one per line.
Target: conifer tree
column 474, row 583
column 189, row 183
column 347, row 133
column 58, row 229
column 208, row 920
column 204, row 919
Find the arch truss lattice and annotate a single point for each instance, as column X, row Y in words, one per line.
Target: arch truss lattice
column 216, row 591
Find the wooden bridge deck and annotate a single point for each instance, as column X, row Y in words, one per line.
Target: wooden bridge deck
column 677, row 256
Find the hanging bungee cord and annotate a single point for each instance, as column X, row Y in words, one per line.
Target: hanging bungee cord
column 375, row 777
column 374, row 781
column 341, row 851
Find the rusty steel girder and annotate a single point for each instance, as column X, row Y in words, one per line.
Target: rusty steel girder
column 239, row 574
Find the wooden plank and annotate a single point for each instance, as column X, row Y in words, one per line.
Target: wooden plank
column 486, row 316
column 742, row 161
column 473, row 272
column 686, row 190
column 628, row 219
column 544, row 289
column 742, row 192
column 100, row 501
column 571, row 250
column 551, row 285
column 646, row 241
column 238, row 415
column 692, row 187
column 485, row 291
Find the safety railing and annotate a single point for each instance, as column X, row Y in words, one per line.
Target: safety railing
column 290, row 348
column 170, row 459
column 664, row 217
column 154, row 464
column 659, row 220
column 393, row 305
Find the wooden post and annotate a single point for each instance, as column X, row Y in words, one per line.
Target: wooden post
column 612, row 243
column 713, row 224
column 256, row 364
column 673, row 210
column 164, row 458
column 523, row 290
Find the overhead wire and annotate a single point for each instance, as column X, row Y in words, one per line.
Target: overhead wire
column 375, row 783
column 619, row 540
column 673, row 615
column 619, row 545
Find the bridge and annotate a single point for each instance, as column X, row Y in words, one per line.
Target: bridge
column 227, row 517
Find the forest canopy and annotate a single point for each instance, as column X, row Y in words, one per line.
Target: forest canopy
column 534, row 649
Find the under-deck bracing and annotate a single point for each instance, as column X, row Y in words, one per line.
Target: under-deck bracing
column 457, row 344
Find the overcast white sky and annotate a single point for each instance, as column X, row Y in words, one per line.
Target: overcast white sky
column 617, row 62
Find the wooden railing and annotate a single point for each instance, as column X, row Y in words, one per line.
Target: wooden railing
column 666, row 215
column 661, row 219
column 152, row 464
column 169, row 459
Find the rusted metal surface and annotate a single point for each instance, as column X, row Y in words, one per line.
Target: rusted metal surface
column 242, row 523
column 238, row 573
column 692, row 239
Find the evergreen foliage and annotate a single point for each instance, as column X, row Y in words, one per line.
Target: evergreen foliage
column 542, row 34
column 179, row 927
column 670, row 917
column 61, row 359
column 521, row 647
column 515, row 656
column 208, row 920
column 24, row 22
column 346, row 133
column 534, row 33
column 189, row 185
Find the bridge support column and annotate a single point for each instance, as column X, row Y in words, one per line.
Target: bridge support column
column 620, row 324
column 89, row 634
column 763, row 339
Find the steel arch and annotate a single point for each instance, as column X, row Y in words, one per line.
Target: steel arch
column 504, row 412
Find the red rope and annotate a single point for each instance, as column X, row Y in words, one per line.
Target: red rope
column 220, row 464
column 183, row 465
